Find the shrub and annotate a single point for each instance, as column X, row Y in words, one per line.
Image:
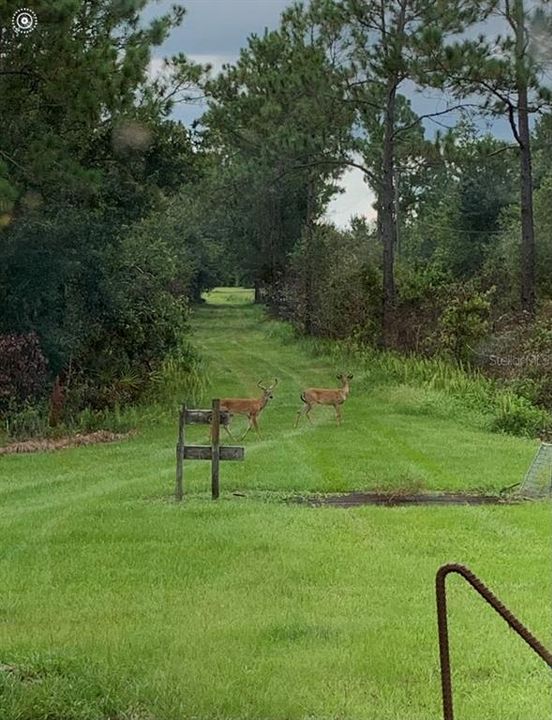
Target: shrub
column 28, row 422
column 23, row 371
column 464, row 322
column 181, row 377
column 115, row 420
column 517, row 416
column 332, row 287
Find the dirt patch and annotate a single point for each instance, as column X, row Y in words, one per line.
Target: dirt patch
column 355, row 499
column 47, row 445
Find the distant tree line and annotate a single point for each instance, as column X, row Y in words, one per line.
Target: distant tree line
column 458, row 260
column 101, row 249
column 114, row 217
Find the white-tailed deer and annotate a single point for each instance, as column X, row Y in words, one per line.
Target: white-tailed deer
column 325, row 396
column 252, row 407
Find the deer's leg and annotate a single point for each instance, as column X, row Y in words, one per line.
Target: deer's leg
column 226, row 427
column 256, row 426
column 305, row 410
column 229, row 433
column 337, row 414
column 247, row 429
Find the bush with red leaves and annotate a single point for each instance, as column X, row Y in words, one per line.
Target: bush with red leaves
column 23, row 371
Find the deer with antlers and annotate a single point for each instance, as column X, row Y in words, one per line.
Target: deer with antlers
column 325, row 396
column 252, row 407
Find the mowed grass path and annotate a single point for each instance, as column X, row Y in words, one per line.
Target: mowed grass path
column 117, row 603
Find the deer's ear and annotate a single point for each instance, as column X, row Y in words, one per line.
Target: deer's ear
column 339, row 377
column 349, row 377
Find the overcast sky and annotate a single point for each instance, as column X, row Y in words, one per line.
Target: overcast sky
column 213, row 32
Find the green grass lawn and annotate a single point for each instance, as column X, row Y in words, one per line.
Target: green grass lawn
column 117, row 603
column 229, row 296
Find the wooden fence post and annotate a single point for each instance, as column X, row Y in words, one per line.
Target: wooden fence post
column 215, row 443
column 215, row 452
column 179, row 488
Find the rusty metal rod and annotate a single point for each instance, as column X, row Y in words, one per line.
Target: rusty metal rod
column 501, row 609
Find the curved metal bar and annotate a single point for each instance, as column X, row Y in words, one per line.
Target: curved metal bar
column 501, row 609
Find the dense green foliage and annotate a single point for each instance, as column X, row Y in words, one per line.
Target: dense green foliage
column 444, row 197
column 113, row 217
column 98, row 253
column 23, row 370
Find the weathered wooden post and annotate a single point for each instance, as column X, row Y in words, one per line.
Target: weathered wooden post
column 179, row 489
column 214, row 452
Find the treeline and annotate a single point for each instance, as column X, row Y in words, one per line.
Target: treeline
column 114, row 217
column 101, row 249
column 457, row 263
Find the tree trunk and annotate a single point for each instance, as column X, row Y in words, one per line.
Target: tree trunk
column 387, row 220
column 258, row 292
column 528, row 291
column 528, row 253
column 308, row 320
column 57, row 401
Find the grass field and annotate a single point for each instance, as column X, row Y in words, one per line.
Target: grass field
column 117, row 603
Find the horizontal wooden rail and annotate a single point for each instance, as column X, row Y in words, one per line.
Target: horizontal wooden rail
column 205, row 417
column 205, row 452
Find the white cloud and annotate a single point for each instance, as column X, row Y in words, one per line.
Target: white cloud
column 357, row 199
